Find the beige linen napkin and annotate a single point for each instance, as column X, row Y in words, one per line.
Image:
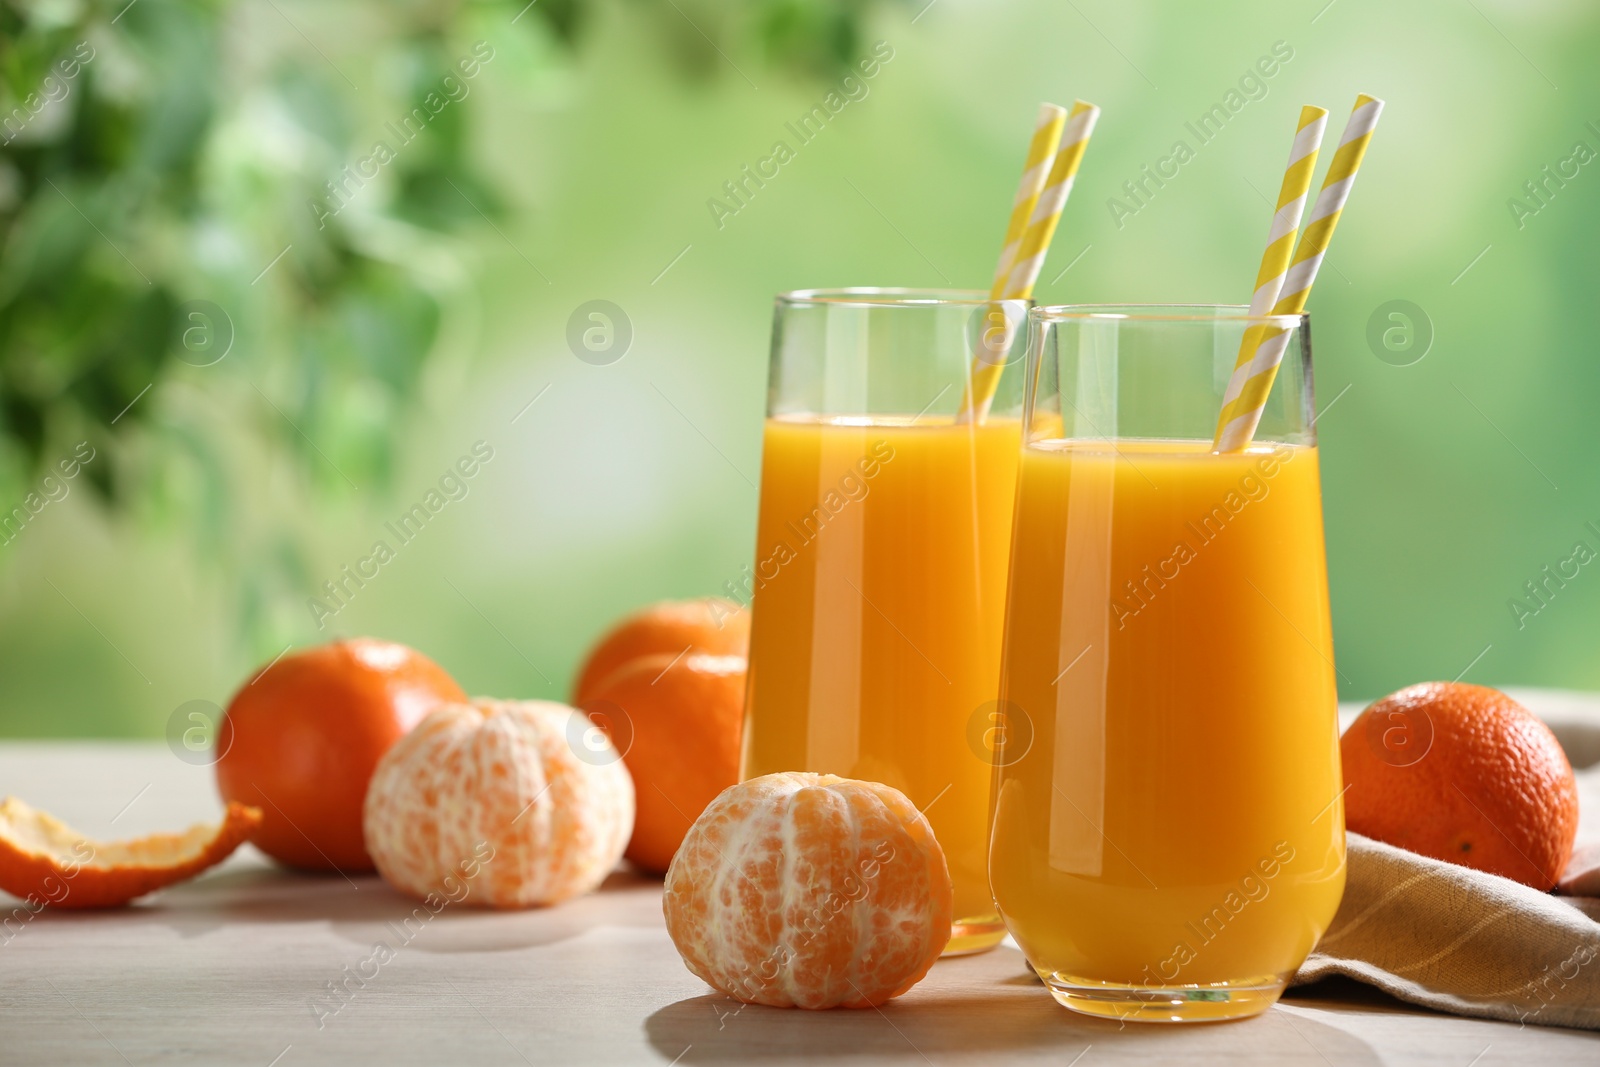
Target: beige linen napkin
column 1477, row 944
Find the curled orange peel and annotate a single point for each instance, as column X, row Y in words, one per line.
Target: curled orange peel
column 45, row 861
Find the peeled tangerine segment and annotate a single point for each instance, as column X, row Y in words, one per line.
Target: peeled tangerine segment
column 45, row 861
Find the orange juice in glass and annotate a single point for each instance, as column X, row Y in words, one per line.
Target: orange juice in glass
column 879, row 585
column 1168, row 840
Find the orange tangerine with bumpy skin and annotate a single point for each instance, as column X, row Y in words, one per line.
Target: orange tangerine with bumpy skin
column 1464, row 774
column 711, row 625
column 809, row 891
column 302, row 736
column 677, row 720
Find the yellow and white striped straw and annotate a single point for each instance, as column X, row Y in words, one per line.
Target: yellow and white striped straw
column 1052, row 198
column 1041, row 150
column 1017, row 281
column 1280, row 246
column 1247, row 391
column 1041, row 153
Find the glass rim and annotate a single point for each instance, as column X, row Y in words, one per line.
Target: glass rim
column 893, row 296
column 1162, row 313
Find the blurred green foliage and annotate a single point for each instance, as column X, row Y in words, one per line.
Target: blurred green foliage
column 155, row 207
column 177, row 176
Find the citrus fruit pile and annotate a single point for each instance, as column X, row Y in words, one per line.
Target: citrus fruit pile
column 667, row 686
column 366, row 754
column 793, row 890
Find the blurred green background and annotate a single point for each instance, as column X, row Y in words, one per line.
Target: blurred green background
column 267, row 369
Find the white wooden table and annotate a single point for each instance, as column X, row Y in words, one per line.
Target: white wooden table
column 227, row 970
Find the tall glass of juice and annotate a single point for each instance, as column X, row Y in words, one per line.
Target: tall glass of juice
column 880, row 576
column 1168, row 840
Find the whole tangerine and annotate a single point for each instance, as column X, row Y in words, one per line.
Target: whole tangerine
column 1465, row 774
column 811, row 891
column 677, row 720
column 711, row 625
column 301, row 738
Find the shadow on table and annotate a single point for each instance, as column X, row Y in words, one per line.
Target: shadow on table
column 994, row 1012
column 1340, row 991
column 364, row 909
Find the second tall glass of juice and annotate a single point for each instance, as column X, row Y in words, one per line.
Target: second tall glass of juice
column 880, row 577
column 1169, row 843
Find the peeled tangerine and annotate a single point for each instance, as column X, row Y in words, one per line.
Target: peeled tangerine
column 523, row 802
column 45, row 861
column 809, row 891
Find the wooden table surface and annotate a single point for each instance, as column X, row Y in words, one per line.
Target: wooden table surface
column 235, row 968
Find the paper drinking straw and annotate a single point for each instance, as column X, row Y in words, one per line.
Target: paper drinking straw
column 1041, row 153
column 1052, row 198
column 1019, row 276
column 1041, row 150
column 1247, row 391
column 1280, row 246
